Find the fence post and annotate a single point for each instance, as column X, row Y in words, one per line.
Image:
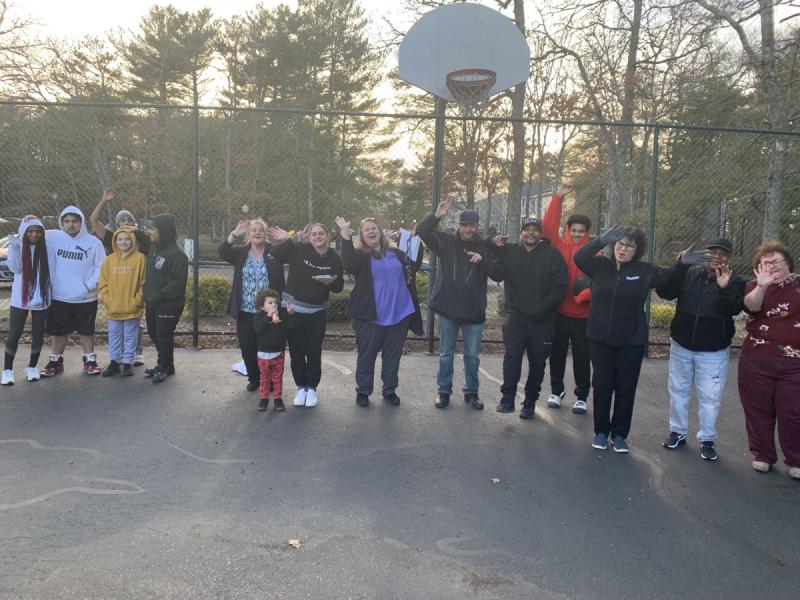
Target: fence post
column 653, row 195
column 196, row 225
column 436, row 192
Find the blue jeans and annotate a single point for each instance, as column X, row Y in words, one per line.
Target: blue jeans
column 471, row 334
column 707, row 371
column 122, row 339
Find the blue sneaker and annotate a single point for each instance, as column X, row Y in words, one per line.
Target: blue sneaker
column 600, row 441
column 619, row 444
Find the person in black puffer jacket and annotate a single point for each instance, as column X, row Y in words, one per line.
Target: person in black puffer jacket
column 459, row 296
column 617, row 326
column 709, row 296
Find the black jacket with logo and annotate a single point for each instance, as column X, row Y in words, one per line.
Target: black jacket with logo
column 305, row 263
column 167, row 266
column 459, row 292
column 704, row 313
column 617, row 316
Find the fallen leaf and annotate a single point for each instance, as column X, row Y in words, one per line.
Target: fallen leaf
column 295, row 543
column 495, row 481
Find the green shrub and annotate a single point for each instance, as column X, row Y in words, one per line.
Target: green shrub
column 422, row 287
column 214, row 293
column 337, row 312
column 501, row 305
column 661, row 315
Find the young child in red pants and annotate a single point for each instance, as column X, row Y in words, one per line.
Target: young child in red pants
column 271, row 332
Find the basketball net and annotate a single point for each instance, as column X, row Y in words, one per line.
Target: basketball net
column 470, row 89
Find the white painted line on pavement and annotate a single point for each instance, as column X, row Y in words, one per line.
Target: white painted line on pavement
column 216, row 461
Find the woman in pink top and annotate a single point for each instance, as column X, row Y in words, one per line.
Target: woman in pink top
column 769, row 368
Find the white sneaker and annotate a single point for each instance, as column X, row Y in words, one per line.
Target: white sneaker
column 32, row 374
column 579, row 408
column 311, row 397
column 8, row 377
column 138, row 360
column 300, row 397
column 555, row 401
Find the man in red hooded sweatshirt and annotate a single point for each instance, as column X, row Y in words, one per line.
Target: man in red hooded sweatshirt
column 574, row 310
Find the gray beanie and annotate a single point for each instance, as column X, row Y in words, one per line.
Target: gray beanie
column 121, row 215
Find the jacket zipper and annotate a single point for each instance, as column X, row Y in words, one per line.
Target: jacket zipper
column 699, row 308
column 611, row 308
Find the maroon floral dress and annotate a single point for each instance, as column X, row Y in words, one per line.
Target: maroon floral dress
column 775, row 328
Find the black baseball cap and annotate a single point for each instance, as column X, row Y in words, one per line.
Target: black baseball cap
column 722, row 244
column 530, row 221
column 469, row 217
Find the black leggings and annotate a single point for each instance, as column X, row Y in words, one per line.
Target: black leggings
column 15, row 326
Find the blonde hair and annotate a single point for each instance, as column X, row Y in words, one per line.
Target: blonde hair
column 257, row 221
column 383, row 243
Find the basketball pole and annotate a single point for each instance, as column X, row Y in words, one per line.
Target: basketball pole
column 436, row 193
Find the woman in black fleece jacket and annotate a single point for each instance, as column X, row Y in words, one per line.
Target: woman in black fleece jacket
column 315, row 270
column 617, row 325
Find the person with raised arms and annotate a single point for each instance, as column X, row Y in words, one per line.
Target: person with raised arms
column 382, row 307
column 315, row 270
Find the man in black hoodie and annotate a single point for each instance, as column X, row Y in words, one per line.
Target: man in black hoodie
column 164, row 292
column 709, row 296
column 459, row 296
column 535, row 284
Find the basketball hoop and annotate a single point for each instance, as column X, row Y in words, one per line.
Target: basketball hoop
column 470, row 88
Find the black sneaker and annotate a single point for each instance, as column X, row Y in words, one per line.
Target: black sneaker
column 161, row 375
column 262, row 404
column 442, row 401
column 526, row 412
column 252, row 386
column 674, row 440
column 707, row 451
column 152, row 372
column 112, row 369
column 473, row 400
column 392, row 399
column 505, row 406
column 362, row 399
column 279, row 405
column 127, row 370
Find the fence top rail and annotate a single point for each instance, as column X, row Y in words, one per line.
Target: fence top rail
column 391, row 115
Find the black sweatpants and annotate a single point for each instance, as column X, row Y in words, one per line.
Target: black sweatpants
column 570, row 331
column 615, row 373
column 521, row 336
column 162, row 319
column 248, row 343
column 305, row 334
column 16, row 324
column 372, row 339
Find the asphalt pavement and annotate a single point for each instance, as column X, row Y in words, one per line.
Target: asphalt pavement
column 118, row 488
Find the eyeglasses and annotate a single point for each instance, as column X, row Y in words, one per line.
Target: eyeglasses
column 772, row 263
column 626, row 245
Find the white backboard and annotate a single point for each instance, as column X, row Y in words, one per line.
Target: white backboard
column 463, row 36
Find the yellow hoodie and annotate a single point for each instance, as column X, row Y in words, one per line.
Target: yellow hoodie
column 121, row 279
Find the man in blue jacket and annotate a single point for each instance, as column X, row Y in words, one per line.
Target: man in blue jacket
column 709, row 296
column 459, row 296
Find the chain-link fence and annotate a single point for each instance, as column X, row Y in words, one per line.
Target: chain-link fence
column 211, row 167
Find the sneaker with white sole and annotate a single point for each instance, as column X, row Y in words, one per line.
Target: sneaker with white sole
column 138, row 360
column 311, row 397
column 600, row 441
column 32, row 374
column 619, row 444
column 300, row 397
column 579, row 408
column 7, row 378
column 707, row 451
column 554, row 401
column 674, row 440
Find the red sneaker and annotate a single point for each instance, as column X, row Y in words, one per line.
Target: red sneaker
column 90, row 366
column 53, row 367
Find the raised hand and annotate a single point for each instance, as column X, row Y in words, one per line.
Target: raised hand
column 108, row 195
column 443, row 208
column 723, row 275
column 241, row 228
column 612, row 235
column 344, row 227
column 278, row 234
column 564, row 189
column 303, row 235
column 694, row 257
column 499, row 240
column 763, row 277
column 474, row 257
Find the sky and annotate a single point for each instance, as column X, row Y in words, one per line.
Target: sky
column 77, row 18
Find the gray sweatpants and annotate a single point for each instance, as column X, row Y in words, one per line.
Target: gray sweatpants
column 372, row 339
column 122, row 338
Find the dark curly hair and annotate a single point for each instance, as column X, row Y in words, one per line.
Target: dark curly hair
column 262, row 295
column 579, row 220
column 638, row 237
